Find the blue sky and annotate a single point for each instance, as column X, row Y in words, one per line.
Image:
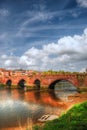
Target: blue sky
column 31, row 29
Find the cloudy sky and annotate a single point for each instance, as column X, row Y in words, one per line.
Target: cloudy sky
column 43, row 34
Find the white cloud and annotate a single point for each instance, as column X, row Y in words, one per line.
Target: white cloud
column 83, row 70
column 69, row 53
column 8, row 63
column 4, row 56
column 33, row 22
column 33, row 18
column 3, row 36
column 82, row 3
column 4, row 12
column 40, row 6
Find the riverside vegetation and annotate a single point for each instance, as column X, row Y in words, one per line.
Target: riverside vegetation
column 74, row 119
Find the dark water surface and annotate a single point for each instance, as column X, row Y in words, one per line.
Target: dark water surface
column 17, row 106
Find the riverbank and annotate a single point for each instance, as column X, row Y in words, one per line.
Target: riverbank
column 74, row 119
column 68, row 104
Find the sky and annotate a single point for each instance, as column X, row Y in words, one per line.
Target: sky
column 43, row 34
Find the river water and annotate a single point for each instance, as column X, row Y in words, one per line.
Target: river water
column 18, row 107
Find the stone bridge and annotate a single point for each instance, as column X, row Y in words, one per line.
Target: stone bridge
column 44, row 80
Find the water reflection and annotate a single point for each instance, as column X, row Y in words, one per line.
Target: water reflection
column 63, row 89
column 37, row 95
column 17, row 106
column 9, row 112
column 63, row 95
column 12, row 112
column 64, row 85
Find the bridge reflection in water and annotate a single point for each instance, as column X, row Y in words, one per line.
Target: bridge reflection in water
column 63, row 89
column 17, row 106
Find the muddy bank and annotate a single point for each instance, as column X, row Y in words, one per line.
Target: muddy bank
column 74, row 99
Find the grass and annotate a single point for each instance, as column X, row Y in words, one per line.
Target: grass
column 74, row 119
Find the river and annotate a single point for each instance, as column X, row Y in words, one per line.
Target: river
column 17, row 107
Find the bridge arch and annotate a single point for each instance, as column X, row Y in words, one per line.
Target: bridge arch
column 37, row 83
column 9, row 83
column 21, row 83
column 63, row 83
